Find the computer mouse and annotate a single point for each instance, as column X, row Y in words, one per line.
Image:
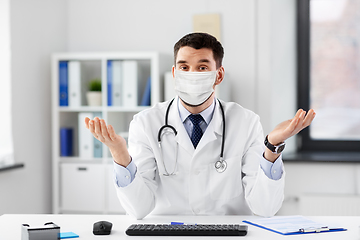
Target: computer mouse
column 102, row 228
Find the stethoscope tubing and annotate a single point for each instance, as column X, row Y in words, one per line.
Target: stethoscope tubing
column 166, row 122
column 220, row 165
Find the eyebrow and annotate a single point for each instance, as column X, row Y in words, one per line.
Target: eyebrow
column 200, row 61
column 204, row 60
column 181, row 61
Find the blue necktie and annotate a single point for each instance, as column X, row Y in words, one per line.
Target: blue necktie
column 197, row 132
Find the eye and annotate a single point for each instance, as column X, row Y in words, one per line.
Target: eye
column 183, row 68
column 203, row 68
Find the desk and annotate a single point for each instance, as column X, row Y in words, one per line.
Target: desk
column 10, row 226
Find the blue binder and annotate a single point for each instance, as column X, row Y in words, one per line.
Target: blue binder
column 66, row 142
column 109, row 82
column 63, row 83
column 146, row 98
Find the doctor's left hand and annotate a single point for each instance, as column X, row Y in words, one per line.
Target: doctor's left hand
column 107, row 135
column 291, row 127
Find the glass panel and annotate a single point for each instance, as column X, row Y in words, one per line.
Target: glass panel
column 335, row 69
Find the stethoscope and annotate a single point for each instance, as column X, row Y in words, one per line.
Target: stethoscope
column 220, row 165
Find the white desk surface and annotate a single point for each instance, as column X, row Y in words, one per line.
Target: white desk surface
column 10, row 226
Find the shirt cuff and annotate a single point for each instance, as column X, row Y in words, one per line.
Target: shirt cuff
column 273, row 170
column 124, row 176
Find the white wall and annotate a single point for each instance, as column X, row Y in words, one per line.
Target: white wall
column 250, row 36
column 131, row 26
column 258, row 38
column 37, row 29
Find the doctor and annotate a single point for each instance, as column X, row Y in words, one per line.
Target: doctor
column 184, row 174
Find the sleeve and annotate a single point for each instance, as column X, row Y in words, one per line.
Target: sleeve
column 124, row 176
column 138, row 197
column 263, row 195
column 273, row 170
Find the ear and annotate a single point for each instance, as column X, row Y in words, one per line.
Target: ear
column 173, row 71
column 220, row 75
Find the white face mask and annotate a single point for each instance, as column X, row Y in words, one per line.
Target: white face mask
column 194, row 88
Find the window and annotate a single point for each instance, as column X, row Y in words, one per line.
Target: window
column 6, row 143
column 329, row 73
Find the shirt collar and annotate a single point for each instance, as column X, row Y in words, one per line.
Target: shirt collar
column 207, row 114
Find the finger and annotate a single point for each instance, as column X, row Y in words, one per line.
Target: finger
column 104, row 130
column 111, row 132
column 87, row 122
column 292, row 126
column 302, row 115
column 309, row 117
column 98, row 129
column 298, row 113
column 302, row 123
column 92, row 127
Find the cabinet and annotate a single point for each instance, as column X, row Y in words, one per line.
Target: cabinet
column 83, row 183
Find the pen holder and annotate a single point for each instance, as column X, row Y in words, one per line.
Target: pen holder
column 50, row 231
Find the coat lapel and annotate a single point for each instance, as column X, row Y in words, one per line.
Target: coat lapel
column 213, row 131
column 182, row 137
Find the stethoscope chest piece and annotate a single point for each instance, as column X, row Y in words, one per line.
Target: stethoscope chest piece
column 220, row 166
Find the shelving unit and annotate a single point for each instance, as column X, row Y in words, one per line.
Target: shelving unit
column 85, row 185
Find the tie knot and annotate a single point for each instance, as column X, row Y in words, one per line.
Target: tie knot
column 195, row 118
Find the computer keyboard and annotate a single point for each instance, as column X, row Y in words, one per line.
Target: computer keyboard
column 187, row 230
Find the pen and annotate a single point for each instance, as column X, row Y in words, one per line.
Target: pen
column 182, row 223
column 311, row 229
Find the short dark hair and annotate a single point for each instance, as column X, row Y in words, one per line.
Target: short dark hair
column 198, row 41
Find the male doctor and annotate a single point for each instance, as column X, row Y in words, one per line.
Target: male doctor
column 180, row 177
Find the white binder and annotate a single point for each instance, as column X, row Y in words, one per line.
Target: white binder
column 74, row 75
column 117, row 83
column 86, row 139
column 130, row 83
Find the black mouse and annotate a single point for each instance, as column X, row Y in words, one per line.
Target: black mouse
column 102, row 228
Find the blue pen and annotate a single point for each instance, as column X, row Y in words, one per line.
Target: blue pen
column 182, row 223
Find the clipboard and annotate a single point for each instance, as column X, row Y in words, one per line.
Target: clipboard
column 292, row 225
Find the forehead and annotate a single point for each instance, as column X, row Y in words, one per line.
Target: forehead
column 192, row 55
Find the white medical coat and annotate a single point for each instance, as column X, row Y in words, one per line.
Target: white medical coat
column 197, row 188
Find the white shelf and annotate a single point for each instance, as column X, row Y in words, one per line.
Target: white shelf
column 73, row 176
column 102, row 109
column 80, row 109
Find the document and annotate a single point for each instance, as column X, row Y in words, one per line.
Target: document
column 290, row 225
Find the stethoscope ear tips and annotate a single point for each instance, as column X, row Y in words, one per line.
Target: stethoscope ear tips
column 220, row 166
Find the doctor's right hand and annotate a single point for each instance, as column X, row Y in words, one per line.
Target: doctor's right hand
column 107, row 135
